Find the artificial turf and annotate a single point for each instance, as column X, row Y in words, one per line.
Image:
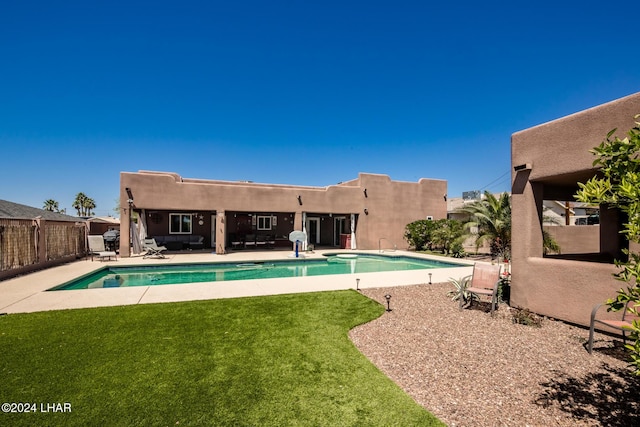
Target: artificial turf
column 265, row 361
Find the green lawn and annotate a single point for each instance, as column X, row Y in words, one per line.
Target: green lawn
column 266, row 361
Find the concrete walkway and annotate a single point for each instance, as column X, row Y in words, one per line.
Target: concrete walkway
column 29, row 293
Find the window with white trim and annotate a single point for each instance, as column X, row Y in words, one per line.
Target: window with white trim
column 179, row 223
column 264, row 222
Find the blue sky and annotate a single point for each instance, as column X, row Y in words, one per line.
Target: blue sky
column 293, row 92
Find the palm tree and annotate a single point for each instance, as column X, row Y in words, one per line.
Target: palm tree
column 490, row 221
column 89, row 206
column 83, row 205
column 51, row 206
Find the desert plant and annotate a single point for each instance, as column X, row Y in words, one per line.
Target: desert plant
column 460, row 289
column 549, row 243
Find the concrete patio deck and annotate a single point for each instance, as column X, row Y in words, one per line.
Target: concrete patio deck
column 28, row 293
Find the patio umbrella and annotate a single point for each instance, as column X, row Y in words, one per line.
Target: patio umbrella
column 142, row 222
column 135, row 239
column 304, row 230
column 353, row 232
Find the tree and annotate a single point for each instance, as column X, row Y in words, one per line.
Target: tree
column 83, row 205
column 448, row 235
column 51, row 206
column 444, row 234
column 418, row 234
column 619, row 187
column 490, row 221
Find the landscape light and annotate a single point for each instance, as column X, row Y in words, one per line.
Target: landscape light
column 388, row 298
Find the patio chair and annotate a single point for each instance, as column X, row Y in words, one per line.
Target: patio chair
column 250, row 240
column 623, row 323
column 261, row 240
column 152, row 249
column 96, row 247
column 484, row 281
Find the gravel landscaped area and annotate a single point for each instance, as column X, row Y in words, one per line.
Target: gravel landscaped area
column 470, row 369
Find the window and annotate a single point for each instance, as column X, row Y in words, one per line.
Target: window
column 179, row 223
column 264, row 222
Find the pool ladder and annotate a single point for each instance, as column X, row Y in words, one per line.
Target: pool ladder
column 395, row 247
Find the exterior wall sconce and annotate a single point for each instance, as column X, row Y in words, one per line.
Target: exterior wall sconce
column 366, row 211
column 430, row 278
column 129, row 195
column 523, row 167
column 365, row 193
column 300, row 200
column 388, row 298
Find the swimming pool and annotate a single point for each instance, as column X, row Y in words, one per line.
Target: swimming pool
column 335, row 263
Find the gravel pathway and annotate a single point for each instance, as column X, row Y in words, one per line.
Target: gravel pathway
column 473, row 370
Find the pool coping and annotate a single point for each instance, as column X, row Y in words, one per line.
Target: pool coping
column 29, row 293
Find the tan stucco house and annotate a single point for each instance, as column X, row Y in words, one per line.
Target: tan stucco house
column 369, row 212
column 548, row 161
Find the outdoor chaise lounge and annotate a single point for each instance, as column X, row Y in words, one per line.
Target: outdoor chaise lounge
column 152, row 249
column 623, row 323
column 484, row 281
column 97, row 249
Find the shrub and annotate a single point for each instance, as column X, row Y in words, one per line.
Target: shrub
column 525, row 317
column 418, row 234
column 619, row 187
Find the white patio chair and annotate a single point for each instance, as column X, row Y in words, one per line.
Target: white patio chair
column 152, row 249
column 96, row 247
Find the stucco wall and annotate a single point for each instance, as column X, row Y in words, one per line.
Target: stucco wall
column 559, row 288
column 390, row 205
column 572, row 239
column 570, row 138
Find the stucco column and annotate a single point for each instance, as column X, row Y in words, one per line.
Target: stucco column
column 297, row 221
column 526, row 239
column 297, row 225
column 125, row 229
column 221, row 228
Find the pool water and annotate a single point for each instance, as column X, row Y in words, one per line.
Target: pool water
column 117, row 277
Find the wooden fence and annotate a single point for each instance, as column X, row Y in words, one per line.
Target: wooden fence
column 31, row 244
